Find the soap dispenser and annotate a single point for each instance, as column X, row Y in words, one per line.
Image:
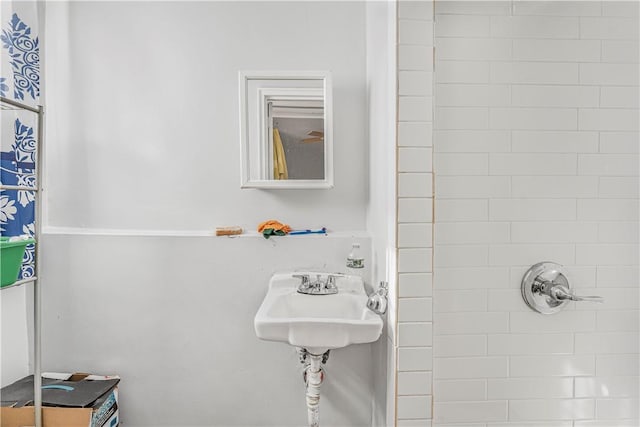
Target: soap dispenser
column 378, row 301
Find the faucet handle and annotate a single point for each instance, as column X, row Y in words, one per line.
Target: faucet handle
column 304, row 278
column 331, row 281
column 561, row 293
column 330, row 284
column 546, row 289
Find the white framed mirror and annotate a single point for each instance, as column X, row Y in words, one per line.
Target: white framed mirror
column 286, row 136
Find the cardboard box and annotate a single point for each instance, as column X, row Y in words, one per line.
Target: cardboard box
column 69, row 400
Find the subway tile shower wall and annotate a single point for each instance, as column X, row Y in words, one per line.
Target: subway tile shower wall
column 535, row 158
column 415, row 213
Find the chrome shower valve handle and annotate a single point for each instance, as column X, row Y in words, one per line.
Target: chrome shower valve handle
column 546, row 289
column 560, row 293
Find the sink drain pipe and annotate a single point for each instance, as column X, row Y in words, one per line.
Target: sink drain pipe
column 313, row 376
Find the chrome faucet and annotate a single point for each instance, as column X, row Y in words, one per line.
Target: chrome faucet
column 317, row 287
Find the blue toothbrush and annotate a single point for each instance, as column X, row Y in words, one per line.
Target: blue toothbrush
column 323, row 230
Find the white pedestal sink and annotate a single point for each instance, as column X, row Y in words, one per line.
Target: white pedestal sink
column 316, row 323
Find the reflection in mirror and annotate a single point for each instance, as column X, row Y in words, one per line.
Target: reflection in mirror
column 297, row 138
column 286, row 130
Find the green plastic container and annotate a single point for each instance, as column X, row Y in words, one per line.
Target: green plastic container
column 11, row 254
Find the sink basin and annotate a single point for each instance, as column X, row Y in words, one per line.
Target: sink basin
column 316, row 322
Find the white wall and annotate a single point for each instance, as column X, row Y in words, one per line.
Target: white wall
column 381, row 208
column 536, row 158
column 143, row 122
column 15, row 304
column 142, row 129
column 173, row 316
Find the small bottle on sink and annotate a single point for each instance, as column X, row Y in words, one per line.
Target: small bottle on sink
column 355, row 258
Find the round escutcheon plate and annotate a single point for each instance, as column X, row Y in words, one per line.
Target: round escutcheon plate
column 535, row 279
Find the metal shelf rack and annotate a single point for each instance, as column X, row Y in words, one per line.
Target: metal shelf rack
column 9, row 104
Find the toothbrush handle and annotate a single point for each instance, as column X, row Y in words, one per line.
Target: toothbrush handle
column 300, row 232
column 321, row 231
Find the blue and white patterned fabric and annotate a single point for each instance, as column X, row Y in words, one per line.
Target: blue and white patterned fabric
column 22, row 47
column 19, row 80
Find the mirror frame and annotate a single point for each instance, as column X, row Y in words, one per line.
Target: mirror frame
column 246, row 139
